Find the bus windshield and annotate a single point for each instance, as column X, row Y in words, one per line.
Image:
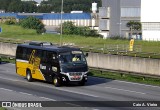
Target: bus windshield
column 73, row 61
column 72, row 57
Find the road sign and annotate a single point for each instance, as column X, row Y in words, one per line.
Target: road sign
column 131, row 44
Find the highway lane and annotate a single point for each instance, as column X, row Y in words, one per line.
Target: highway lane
column 15, row 88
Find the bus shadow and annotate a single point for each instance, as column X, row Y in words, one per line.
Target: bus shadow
column 91, row 82
column 97, row 81
column 6, row 62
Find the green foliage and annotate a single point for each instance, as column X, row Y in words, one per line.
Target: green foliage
column 85, row 31
column 2, row 108
column 16, row 32
column 134, row 25
column 124, row 77
column 118, row 37
column 10, row 21
column 69, row 28
column 47, row 6
column 33, row 23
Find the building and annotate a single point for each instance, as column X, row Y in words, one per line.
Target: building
column 79, row 19
column 150, row 19
column 53, row 19
column 114, row 15
column 2, row 11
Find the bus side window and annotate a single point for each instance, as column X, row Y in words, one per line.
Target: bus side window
column 44, row 57
column 38, row 53
column 29, row 52
column 19, row 52
column 52, row 57
column 24, row 54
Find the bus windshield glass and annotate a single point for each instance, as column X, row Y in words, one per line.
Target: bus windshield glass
column 72, row 57
column 73, row 61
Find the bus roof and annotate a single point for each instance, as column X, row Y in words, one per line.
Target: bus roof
column 48, row 47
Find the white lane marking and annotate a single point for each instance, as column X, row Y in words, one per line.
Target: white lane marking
column 47, row 98
column 8, row 79
column 7, row 89
column 125, row 90
column 73, row 104
column 25, row 93
column 138, row 84
column 12, row 64
column 81, row 93
column 134, row 83
column 95, row 109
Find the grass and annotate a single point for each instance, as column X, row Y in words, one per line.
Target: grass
column 125, row 77
column 17, row 33
column 7, row 59
column 1, row 108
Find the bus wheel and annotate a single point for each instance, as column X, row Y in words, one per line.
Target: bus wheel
column 29, row 76
column 56, row 81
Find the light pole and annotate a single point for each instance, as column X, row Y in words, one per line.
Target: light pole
column 119, row 29
column 61, row 23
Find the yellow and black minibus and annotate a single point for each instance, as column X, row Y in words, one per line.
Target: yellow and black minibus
column 47, row 62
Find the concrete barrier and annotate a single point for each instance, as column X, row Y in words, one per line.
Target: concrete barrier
column 124, row 63
column 8, row 48
column 106, row 61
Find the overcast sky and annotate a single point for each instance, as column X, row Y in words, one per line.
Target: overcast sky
column 38, row 1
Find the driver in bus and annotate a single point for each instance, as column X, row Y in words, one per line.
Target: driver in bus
column 75, row 58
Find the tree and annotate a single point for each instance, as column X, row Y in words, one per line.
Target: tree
column 69, row 28
column 47, row 6
column 14, row 6
column 33, row 23
column 134, row 26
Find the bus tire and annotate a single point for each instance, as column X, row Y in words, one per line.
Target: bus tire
column 56, row 81
column 29, row 76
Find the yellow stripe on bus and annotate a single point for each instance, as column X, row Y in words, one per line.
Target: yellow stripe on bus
column 23, row 66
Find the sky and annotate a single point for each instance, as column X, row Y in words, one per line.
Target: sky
column 38, row 1
column 150, row 11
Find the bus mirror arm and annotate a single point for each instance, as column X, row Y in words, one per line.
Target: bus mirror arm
column 86, row 55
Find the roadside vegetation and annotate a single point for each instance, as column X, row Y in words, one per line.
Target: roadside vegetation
column 33, row 23
column 17, row 34
column 125, row 77
column 70, row 29
column 1, row 108
column 47, row 6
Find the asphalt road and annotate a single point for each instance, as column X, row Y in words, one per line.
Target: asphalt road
column 95, row 94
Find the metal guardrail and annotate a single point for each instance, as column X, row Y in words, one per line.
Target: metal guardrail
column 137, row 52
column 7, row 56
column 125, row 72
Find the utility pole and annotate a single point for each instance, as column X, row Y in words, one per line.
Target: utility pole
column 61, row 23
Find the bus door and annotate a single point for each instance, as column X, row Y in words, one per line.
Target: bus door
column 52, row 64
column 36, row 57
column 48, row 65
